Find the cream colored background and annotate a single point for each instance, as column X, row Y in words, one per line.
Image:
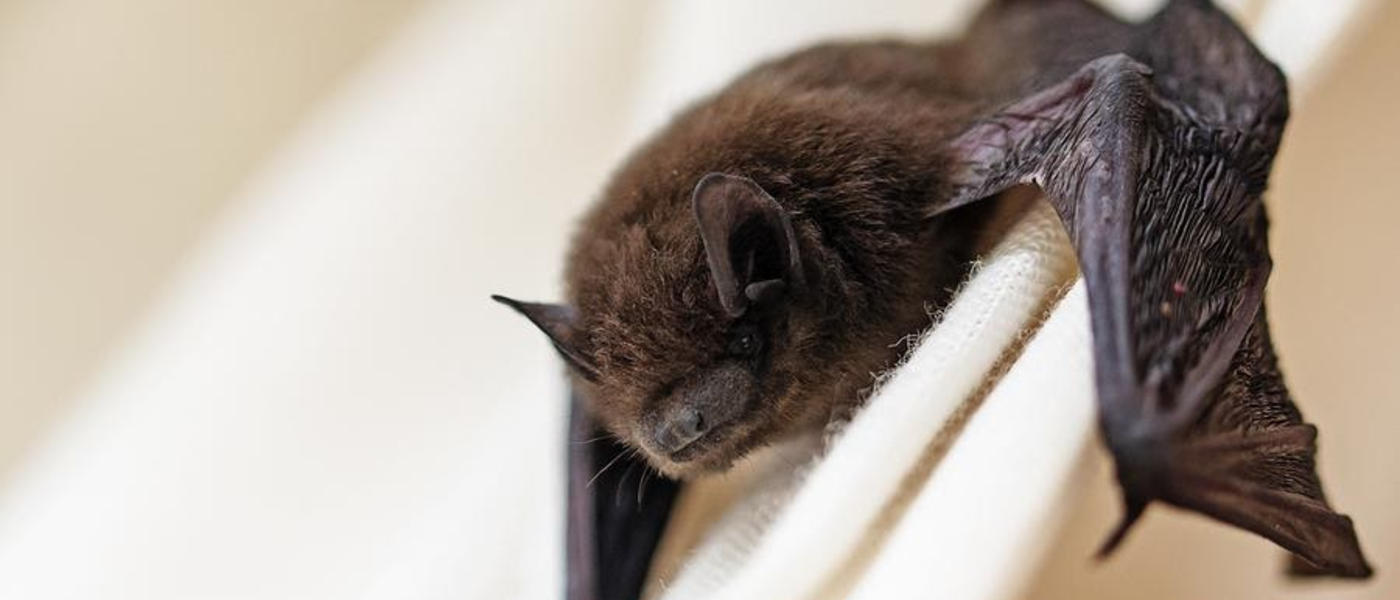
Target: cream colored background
column 127, row 128
column 124, row 127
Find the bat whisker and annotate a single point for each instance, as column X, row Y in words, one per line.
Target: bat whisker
column 592, row 440
column 642, row 486
column 605, row 469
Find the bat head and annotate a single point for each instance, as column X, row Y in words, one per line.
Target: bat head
column 677, row 345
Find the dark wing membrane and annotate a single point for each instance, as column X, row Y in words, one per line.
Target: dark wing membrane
column 1155, row 155
column 617, row 510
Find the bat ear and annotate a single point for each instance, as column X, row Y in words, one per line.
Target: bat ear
column 558, row 322
column 749, row 242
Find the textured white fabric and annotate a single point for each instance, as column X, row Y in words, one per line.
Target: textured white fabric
column 827, row 519
column 972, row 516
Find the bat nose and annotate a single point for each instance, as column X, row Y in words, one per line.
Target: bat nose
column 687, row 424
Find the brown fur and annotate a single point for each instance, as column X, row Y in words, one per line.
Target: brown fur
column 829, row 133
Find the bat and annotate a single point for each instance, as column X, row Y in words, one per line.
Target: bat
column 748, row 267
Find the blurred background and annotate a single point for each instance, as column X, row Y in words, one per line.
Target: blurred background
column 245, row 250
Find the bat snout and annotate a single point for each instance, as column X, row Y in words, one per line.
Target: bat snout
column 682, row 427
column 690, row 422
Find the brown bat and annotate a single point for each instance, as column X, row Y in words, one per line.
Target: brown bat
column 749, row 267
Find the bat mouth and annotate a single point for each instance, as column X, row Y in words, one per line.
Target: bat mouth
column 696, row 450
column 714, row 452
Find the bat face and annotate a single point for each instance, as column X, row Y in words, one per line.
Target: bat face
column 695, row 404
column 690, row 376
column 691, row 329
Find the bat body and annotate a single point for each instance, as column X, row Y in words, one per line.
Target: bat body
column 747, row 270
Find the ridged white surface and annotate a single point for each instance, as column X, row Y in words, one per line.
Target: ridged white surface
column 1024, row 443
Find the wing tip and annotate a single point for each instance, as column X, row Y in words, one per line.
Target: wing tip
column 1300, row 568
column 1342, row 558
column 1132, row 511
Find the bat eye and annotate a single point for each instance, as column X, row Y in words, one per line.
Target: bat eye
column 745, row 342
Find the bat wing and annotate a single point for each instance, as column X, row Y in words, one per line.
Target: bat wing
column 1155, row 155
column 617, row 510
